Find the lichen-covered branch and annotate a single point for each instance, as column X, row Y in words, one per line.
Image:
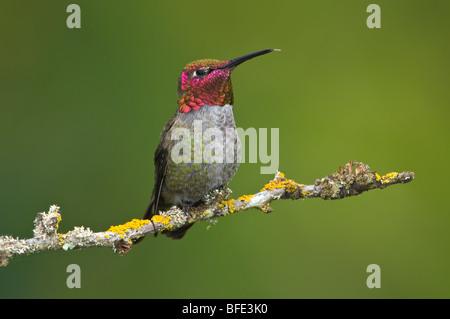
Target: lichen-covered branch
column 351, row 180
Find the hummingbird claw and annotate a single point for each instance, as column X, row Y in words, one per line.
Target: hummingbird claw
column 184, row 208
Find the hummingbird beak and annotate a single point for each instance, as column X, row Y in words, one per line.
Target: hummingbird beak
column 235, row 62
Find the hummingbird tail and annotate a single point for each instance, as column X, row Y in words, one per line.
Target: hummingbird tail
column 178, row 233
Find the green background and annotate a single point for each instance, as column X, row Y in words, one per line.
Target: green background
column 81, row 112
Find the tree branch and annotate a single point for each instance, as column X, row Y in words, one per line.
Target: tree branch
column 351, row 180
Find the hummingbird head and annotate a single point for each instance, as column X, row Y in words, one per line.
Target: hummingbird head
column 208, row 82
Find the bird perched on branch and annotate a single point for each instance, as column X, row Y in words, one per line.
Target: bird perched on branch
column 199, row 149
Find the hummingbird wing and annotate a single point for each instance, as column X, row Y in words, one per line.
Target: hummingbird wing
column 161, row 162
column 157, row 202
column 152, row 209
column 160, row 172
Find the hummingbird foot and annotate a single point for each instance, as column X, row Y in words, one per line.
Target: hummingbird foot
column 185, row 208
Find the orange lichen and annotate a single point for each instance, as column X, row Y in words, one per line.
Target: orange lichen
column 246, row 198
column 161, row 219
column 228, row 203
column 280, row 182
column 389, row 176
column 122, row 229
column 266, row 209
column 58, row 220
column 378, row 177
column 165, row 221
column 61, row 239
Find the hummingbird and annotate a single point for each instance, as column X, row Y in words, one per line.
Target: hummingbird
column 205, row 101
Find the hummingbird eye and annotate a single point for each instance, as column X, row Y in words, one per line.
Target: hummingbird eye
column 200, row 72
